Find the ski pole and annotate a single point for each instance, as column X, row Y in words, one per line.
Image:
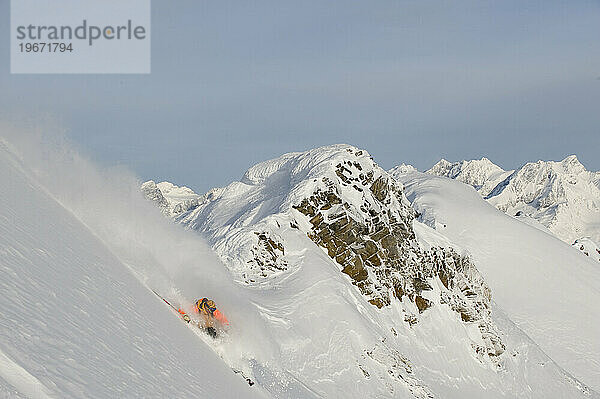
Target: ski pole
column 183, row 314
column 167, row 302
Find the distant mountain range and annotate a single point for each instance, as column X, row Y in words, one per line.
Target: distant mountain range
column 562, row 197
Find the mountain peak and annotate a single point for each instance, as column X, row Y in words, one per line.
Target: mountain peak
column 572, row 165
column 298, row 162
column 562, row 195
column 170, row 189
column 171, row 199
column 482, row 173
column 442, row 166
column 355, row 219
column 153, row 193
column 402, row 169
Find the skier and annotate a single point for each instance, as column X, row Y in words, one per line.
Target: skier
column 210, row 317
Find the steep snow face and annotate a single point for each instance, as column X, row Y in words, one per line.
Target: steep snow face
column 76, row 322
column 480, row 173
column 563, row 196
column 546, row 287
column 357, row 303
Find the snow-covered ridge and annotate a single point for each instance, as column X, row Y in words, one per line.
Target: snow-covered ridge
column 325, row 242
column 258, row 173
column 402, row 168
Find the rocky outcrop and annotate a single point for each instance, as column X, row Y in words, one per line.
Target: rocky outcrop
column 369, row 248
column 588, row 247
column 267, row 257
column 398, row 367
column 373, row 242
column 153, row 193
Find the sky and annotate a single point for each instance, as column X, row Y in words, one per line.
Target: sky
column 234, row 83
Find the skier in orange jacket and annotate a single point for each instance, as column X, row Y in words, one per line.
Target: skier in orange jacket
column 210, row 318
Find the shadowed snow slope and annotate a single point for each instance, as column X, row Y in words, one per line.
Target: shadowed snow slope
column 360, row 300
column 76, row 322
column 549, row 290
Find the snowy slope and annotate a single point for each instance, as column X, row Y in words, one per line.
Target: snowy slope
column 76, row 322
column 304, row 324
column 548, row 289
column 358, row 298
column 482, row 173
column 332, row 288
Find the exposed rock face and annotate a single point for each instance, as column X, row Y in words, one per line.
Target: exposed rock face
column 588, row 247
column 399, row 368
column 153, row 193
column 373, row 242
column 180, row 199
column 368, row 250
column 268, row 256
